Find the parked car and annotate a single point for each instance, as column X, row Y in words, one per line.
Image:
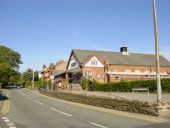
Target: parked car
column 43, row 87
column 19, row 86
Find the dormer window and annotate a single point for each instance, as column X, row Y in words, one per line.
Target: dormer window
column 73, row 64
column 94, row 62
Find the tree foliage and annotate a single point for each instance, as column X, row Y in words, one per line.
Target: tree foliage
column 9, row 64
column 28, row 75
column 10, row 57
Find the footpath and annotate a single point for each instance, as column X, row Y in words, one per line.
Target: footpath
column 141, row 96
column 3, row 108
column 1, row 101
column 4, row 101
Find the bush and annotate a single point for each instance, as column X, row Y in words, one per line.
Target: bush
column 37, row 84
column 85, row 84
column 126, row 86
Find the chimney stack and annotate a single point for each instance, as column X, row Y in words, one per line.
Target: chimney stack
column 124, row 50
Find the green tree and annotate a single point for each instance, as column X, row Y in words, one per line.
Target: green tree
column 9, row 63
column 27, row 75
column 10, row 57
column 4, row 71
column 36, row 76
column 15, row 77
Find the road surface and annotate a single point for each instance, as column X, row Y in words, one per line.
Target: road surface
column 31, row 110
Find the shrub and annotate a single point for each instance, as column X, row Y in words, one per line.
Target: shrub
column 126, row 86
column 37, row 84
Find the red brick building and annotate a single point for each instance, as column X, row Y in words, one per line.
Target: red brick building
column 47, row 71
column 106, row 66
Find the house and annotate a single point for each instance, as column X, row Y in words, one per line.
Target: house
column 47, row 71
column 108, row 66
column 59, row 75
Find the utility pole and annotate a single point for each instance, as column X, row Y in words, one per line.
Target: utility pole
column 32, row 78
column 159, row 91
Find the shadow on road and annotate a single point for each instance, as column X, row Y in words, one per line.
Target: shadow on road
column 3, row 98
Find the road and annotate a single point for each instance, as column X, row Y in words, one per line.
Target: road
column 31, row 110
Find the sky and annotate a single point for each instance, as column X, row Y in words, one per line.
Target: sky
column 45, row 31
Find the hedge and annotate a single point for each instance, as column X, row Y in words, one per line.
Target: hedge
column 37, row 84
column 125, row 86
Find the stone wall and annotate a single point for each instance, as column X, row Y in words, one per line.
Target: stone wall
column 134, row 106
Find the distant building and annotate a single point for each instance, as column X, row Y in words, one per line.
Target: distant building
column 59, row 74
column 47, row 71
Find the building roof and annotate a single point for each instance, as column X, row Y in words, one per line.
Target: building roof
column 74, row 70
column 58, row 72
column 117, row 58
column 60, row 68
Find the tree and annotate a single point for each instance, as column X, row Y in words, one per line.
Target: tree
column 4, row 71
column 36, row 76
column 9, row 63
column 10, row 56
column 27, row 75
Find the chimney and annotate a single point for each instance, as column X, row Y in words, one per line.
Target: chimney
column 44, row 66
column 124, row 50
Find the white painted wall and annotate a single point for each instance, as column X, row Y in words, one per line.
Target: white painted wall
column 99, row 64
column 73, row 60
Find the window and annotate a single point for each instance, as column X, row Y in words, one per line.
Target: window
column 97, row 76
column 73, row 64
column 117, row 78
column 88, row 73
column 94, row 62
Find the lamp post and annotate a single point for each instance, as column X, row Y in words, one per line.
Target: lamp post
column 32, row 78
column 159, row 93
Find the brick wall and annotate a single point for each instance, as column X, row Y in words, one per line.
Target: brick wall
column 97, row 73
column 121, row 68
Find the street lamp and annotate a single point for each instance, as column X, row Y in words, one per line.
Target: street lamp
column 159, row 93
column 32, row 78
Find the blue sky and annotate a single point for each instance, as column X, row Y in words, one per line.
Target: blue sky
column 45, row 31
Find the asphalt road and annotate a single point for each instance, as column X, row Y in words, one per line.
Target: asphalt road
column 30, row 110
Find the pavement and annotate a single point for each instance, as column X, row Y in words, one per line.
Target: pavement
column 141, row 96
column 3, row 122
column 32, row 110
column 0, row 100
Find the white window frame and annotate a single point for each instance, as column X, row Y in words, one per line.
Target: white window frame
column 94, row 62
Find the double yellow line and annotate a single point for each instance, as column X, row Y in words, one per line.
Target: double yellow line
column 5, row 103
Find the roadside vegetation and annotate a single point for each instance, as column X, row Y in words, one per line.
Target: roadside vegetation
column 125, row 86
column 37, row 84
column 9, row 66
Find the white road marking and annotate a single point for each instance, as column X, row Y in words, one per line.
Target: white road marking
column 60, row 111
column 10, row 124
column 4, row 118
column 7, row 121
column 38, row 102
column 97, row 125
